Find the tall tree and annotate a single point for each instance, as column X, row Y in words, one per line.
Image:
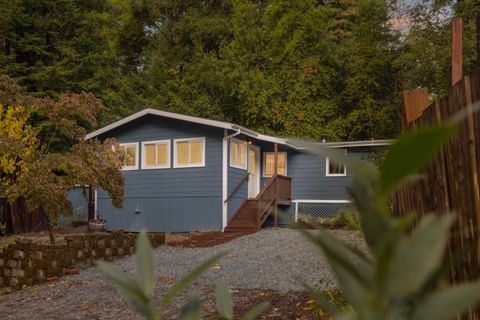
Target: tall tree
column 283, row 67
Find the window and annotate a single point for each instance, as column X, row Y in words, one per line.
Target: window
column 269, row 164
column 238, row 154
column 189, row 153
column 336, row 169
column 130, row 155
column 156, row 154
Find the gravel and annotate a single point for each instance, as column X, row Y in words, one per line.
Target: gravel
column 268, row 259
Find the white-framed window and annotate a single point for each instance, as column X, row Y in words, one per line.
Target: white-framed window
column 156, row 154
column 269, row 164
column 238, row 154
column 130, row 155
column 189, row 152
column 334, row 169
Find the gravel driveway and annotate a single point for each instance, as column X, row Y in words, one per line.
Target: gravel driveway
column 264, row 260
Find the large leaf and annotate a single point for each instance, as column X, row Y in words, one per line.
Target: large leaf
column 411, row 152
column 354, row 275
column 224, row 301
column 187, row 280
column 448, row 303
column 354, row 165
column 129, row 288
column 145, row 266
column 192, row 310
column 319, row 298
column 255, row 312
column 418, row 256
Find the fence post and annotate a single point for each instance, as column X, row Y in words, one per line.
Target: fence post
column 296, row 211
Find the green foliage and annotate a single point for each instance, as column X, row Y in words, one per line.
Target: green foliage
column 298, row 68
column 349, row 220
column 424, row 59
column 139, row 292
column 400, row 279
column 43, row 152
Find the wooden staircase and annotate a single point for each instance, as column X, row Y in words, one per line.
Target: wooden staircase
column 252, row 213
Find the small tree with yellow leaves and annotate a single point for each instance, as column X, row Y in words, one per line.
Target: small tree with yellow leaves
column 44, row 155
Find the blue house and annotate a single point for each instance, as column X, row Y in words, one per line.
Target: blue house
column 185, row 173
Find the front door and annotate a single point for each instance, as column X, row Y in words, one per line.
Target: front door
column 253, row 170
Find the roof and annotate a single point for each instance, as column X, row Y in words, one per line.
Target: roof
column 228, row 126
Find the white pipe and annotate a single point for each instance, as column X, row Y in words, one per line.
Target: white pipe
column 225, row 175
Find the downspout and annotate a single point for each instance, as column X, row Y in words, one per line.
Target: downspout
column 226, row 138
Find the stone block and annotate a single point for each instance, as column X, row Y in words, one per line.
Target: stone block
column 37, row 255
column 12, row 263
column 101, row 243
column 120, row 251
column 19, row 254
column 14, row 282
column 40, row 275
column 108, row 252
column 18, row 273
column 2, row 262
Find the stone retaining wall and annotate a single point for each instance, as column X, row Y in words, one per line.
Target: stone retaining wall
column 27, row 263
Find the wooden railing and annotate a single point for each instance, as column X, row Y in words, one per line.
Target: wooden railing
column 237, row 187
column 284, row 185
column 267, row 200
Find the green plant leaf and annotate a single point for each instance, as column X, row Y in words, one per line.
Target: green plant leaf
column 224, row 301
column 145, row 266
column 411, row 152
column 448, row 303
column 129, row 288
column 354, row 275
column 256, row 311
column 319, row 298
column 192, row 310
column 187, row 280
column 354, row 165
column 418, row 256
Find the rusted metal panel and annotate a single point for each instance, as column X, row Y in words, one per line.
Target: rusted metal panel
column 456, row 50
column 414, row 103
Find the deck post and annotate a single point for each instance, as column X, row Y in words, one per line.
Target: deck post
column 296, row 211
column 275, row 171
column 91, row 203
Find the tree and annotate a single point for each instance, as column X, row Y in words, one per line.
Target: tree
column 426, row 52
column 44, row 154
column 302, row 68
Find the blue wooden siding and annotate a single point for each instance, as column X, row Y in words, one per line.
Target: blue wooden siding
column 79, row 208
column 309, row 179
column 235, row 176
column 174, row 199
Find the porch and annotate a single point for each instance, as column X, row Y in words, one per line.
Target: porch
column 254, row 211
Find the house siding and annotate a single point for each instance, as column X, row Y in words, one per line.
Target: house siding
column 235, row 177
column 173, row 199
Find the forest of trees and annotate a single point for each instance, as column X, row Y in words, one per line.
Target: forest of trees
column 308, row 68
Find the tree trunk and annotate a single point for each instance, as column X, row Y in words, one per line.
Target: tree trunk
column 50, row 228
column 22, row 220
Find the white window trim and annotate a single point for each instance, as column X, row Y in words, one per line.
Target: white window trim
column 167, row 166
column 246, row 154
column 137, row 154
column 265, row 161
column 175, row 153
column 328, row 174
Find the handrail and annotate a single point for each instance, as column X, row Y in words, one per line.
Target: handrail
column 237, row 187
column 265, row 187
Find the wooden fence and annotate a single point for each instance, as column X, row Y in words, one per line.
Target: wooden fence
column 451, row 181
